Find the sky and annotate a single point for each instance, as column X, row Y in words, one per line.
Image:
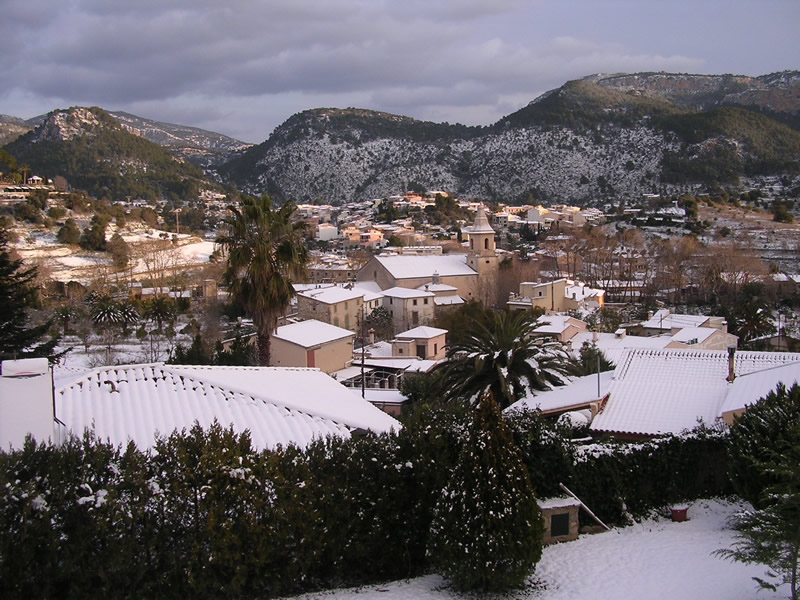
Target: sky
column 242, row 67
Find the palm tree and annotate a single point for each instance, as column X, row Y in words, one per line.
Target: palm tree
column 500, row 354
column 265, row 250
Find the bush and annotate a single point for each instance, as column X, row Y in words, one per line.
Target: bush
column 205, row 515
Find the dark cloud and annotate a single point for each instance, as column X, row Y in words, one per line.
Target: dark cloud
column 204, row 62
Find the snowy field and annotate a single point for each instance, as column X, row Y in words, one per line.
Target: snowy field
column 653, row 560
column 63, row 263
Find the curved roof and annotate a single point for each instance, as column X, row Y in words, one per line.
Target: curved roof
column 277, row 405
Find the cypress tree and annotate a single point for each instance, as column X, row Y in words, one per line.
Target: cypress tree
column 487, row 528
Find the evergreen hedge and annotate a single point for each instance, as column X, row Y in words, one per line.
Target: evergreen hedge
column 204, row 515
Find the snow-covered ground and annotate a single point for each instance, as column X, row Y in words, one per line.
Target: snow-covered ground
column 653, row 560
column 64, row 263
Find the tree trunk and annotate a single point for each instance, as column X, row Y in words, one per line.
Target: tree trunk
column 264, row 349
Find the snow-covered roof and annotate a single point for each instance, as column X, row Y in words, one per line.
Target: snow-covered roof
column 380, row 396
column 664, row 319
column 437, row 287
column 368, row 286
column 555, row 323
column 349, row 373
column 579, row 392
column 693, row 335
column 378, row 350
column 558, row 502
column 581, row 291
column 751, row 387
column 311, row 333
column 401, row 292
column 421, row 332
column 411, row 267
column 448, row 300
column 613, row 346
column 668, row 391
column 332, row 294
column 408, row 364
column 277, row 405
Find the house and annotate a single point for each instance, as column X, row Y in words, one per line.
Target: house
column 379, row 368
column 560, row 295
column 408, row 307
column 665, row 321
column 278, row 406
column 561, row 328
column 337, row 305
column 312, row 343
column 613, row 345
column 444, row 296
column 427, row 343
column 656, row 392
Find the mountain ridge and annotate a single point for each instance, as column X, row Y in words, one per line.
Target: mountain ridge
column 579, row 143
column 594, row 139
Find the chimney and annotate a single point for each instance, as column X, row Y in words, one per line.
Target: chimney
column 371, row 336
column 731, row 356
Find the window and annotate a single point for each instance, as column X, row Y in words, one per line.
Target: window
column 399, row 350
column 540, row 294
column 415, row 301
column 421, row 351
column 559, row 524
column 485, row 243
column 436, row 348
column 425, row 301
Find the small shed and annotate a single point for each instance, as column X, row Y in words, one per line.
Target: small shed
column 560, row 516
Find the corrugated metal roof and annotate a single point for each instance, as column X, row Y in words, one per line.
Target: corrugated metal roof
column 751, row 387
column 668, row 391
column 277, row 405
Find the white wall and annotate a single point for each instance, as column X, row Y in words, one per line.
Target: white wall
column 26, row 406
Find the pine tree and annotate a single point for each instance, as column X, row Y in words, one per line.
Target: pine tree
column 768, row 428
column 770, row 535
column 18, row 294
column 487, row 528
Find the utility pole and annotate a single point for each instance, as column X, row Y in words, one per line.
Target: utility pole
column 363, row 352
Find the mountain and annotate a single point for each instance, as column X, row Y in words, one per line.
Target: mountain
column 594, row 139
column 197, row 146
column 95, row 153
column 11, row 128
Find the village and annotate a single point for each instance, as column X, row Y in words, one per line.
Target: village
column 617, row 290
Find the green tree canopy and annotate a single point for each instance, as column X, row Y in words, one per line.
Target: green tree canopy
column 502, row 356
column 18, row 294
column 265, row 251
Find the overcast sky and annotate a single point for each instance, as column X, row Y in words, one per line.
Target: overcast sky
column 242, row 67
